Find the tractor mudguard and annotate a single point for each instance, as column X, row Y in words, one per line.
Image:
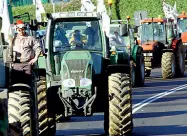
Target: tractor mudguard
column 137, row 50
column 119, row 68
column 134, row 52
column 20, row 85
column 167, row 50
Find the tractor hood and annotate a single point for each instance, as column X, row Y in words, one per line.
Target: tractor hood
column 184, row 37
column 74, row 55
column 149, row 46
column 76, row 65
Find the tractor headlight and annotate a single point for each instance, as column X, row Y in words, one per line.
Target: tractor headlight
column 85, row 82
column 69, row 83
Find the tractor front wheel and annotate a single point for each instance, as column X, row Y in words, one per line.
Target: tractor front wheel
column 120, row 105
column 168, row 65
column 45, row 128
column 140, row 70
column 19, row 113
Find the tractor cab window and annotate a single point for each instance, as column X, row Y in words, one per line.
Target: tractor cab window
column 115, row 39
column 170, row 32
column 153, row 31
column 182, row 24
column 80, row 35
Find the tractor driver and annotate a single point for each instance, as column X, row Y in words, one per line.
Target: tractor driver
column 77, row 39
column 118, row 39
column 26, row 50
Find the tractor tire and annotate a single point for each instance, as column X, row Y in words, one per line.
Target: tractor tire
column 43, row 120
column 140, row 70
column 168, row 65
column 180, row 63
column 133, row 74
column 147, row 73
column 19, row 113
column 120, row 105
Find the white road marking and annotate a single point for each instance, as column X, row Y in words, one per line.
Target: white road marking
column 145, row 102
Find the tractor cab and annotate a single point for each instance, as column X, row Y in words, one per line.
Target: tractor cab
column 121, row 34
column 75, row 38
column 156, row 30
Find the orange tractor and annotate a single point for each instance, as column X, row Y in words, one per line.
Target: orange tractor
column 162, row 47
column 182, row 27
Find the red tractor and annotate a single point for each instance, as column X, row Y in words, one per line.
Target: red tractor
column 182, row 27
column 162, row 47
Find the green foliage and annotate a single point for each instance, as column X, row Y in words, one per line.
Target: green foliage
column 72, row 6
column 120, row 8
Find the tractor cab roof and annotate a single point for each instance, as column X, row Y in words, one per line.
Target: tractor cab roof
column 161, row 20
column 76, row 14
column 183, row 15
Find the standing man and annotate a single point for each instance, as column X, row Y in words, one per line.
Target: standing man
column 26, row 50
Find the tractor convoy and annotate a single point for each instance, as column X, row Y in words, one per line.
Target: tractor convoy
column 82, row 70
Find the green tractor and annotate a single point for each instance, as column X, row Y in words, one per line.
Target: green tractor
column 84, row 74
column 135, row 51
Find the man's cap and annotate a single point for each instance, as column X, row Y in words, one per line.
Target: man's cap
column 20, row 24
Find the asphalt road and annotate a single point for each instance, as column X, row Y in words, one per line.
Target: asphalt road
column 158, row 110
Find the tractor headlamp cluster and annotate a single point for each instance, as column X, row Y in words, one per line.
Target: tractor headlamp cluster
column 85, row 82
column 75, row 14
column 71, row 82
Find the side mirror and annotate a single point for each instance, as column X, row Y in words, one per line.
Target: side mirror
column 46, row 50
column 1, row 21
column 49, row 16
column 179, row 35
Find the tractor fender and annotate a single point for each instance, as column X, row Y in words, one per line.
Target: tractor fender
column 20, row 86
column 136, row 51
column 167, row 50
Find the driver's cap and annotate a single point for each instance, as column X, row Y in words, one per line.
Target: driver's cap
column 20, row 24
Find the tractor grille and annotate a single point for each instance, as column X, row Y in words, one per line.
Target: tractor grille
column 77, row 69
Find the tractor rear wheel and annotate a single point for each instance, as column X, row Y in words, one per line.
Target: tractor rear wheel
column 147, row 73
column 19, row 113
column 180, row 63
column 140, row 70
column 120, row 105
column 168, row 65
column 45, row 128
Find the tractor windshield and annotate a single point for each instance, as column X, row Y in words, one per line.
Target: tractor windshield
column 77, row 35
column 182, row 24
column 152, row 32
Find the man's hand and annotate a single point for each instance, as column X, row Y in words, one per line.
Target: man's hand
column 32, row 61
